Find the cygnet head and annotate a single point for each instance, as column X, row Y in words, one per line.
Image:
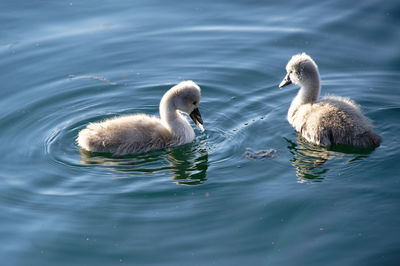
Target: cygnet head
column 184, row 97
column 303, row 71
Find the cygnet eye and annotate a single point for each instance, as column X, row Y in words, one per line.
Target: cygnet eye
column 194, row 102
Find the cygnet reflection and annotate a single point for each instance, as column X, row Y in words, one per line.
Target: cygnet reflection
column 312, row 161
column 308, row 160
column 186, row 164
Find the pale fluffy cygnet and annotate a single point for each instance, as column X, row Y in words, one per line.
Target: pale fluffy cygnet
column 330, row 120
column 140, row 132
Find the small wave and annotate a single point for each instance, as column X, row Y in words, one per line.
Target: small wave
column 102, row 79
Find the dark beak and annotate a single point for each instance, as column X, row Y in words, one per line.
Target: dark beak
column 286, row 81
column 196, row 116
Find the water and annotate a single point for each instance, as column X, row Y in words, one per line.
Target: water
column 65, row 64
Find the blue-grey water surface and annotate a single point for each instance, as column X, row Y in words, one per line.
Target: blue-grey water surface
column 64, row 64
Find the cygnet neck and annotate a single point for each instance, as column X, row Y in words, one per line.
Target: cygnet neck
column 171, row 117
column 310, row 89
column 167, row 109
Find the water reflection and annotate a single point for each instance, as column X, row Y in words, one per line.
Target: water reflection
column 188, row 164
column 310, row 160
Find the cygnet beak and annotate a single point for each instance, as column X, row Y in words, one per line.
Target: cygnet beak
column 196, row 116
column 286, row 81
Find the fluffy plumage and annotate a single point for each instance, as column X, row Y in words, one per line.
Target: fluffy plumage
column 330, row 120
column 140, row 132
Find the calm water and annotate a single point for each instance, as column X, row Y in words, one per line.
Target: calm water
column 67, row 63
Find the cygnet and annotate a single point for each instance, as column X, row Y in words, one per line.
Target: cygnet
column 136, row 133
column 330, row 120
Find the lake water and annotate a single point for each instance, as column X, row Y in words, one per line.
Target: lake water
column 67, row 63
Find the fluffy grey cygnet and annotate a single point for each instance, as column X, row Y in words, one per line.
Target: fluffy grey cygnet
column 140, row 132
column 329, row 120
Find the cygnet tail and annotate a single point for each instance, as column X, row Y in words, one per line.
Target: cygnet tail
column 369, row 139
